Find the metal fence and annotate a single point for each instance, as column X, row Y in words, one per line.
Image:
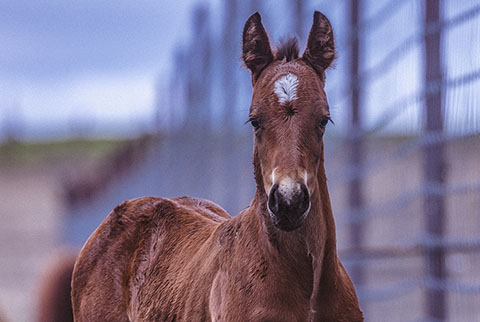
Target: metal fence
column 412, row 249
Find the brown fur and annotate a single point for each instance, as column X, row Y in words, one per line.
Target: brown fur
column 185, row 259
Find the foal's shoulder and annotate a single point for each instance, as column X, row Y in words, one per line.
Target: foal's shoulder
column 127, row 238
column 139, row 219
column 127, row 222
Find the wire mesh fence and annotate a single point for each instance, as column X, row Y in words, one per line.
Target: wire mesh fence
column 411, row 241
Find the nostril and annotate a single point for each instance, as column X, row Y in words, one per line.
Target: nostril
column 273, row 199
column 304, row 190
column 305, row 198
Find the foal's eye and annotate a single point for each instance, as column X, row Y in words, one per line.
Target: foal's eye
column 323, row 122
column 255, row 123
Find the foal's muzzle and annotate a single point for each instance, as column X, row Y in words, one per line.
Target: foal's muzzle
column 288, row 206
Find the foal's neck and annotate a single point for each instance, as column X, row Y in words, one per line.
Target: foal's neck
column 309, row 253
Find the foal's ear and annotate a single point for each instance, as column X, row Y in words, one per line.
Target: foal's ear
column 256, row 51
column 320, row 51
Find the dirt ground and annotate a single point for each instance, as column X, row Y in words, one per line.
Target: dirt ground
column 30, row 212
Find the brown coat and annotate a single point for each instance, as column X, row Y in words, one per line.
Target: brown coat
column 186, row 259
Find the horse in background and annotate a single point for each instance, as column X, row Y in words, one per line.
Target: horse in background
column 2, row 317
column 186, row 259
column 54, row 303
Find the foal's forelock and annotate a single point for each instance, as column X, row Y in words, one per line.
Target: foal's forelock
column 287, row 50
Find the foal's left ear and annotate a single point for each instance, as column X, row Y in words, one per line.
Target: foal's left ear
column 256, row 51
column 320, row 51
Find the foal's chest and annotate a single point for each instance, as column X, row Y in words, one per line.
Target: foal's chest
column 234, row 298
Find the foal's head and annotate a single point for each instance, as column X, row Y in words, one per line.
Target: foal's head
column 289, row 113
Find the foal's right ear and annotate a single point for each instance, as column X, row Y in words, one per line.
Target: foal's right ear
column 256, row 51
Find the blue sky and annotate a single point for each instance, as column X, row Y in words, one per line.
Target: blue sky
column 87, row 61
column 65, row 60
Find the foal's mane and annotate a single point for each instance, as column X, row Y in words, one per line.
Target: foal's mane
column 287, row 49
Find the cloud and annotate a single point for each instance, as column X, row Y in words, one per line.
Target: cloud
column 45, row 39
column 98, row 60
column 99, row 99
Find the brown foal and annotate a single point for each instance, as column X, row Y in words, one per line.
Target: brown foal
column 186, row 259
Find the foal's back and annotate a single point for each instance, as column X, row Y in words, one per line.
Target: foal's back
column 130, row 264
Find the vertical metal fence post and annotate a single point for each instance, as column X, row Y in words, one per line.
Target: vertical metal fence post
column 298, row 21
column 434, row 168
column 229, row 41
column 355, row 196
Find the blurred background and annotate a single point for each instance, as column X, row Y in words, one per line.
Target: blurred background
column 106, row 101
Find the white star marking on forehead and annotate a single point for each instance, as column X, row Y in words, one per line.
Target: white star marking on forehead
column 286, row 88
